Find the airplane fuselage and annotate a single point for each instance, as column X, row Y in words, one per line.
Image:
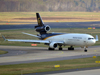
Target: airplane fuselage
column 73, row 39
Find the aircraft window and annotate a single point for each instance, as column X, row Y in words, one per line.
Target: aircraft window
column 90, row 38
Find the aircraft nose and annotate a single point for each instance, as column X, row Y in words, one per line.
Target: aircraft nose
column 93, row 41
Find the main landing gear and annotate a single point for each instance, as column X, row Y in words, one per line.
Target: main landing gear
column 51, row 48
column 60, row 48
column 71, row 48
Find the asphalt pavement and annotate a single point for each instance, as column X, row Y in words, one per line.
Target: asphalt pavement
column 54, row 25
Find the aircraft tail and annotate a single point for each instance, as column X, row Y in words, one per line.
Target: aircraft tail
column 39, row 20
column 41, row 28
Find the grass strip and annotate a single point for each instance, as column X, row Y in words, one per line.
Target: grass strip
column 69, row 16
column 49, row 66
column 3, row 52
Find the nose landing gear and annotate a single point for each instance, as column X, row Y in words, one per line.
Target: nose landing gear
column 85, row 50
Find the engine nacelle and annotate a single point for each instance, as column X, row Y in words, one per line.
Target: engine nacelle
column 53, row 45
column 43, row 28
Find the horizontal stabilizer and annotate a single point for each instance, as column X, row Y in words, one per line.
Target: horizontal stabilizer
column 31, row 35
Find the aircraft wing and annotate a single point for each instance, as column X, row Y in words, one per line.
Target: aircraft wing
column 32, row 41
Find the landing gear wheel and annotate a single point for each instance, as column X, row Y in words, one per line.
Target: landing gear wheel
column 60, row 48
column 85, row 50
column 51, row 49
column 71, row 48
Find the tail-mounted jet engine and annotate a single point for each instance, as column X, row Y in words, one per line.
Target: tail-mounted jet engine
column 44, row 28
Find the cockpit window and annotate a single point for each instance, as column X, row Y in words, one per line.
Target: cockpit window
column 90, row 38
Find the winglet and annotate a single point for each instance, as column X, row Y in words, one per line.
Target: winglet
column 4, row 38
column 97, row 38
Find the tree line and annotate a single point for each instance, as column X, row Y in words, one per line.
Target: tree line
column 49, row 5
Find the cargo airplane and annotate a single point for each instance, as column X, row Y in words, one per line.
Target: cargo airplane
column 54, row 40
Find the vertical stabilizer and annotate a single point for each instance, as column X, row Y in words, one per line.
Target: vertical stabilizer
column 41, row 28
column 39, row 20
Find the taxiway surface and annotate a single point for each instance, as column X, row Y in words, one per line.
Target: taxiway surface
column 19, row 54
column 86, row 72
column 54, row 25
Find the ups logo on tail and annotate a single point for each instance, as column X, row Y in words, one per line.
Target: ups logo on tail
column 39, row 21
